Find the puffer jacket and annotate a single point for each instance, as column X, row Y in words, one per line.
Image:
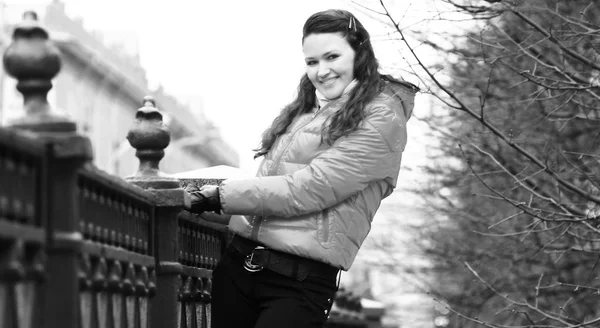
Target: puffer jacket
column 315, row 200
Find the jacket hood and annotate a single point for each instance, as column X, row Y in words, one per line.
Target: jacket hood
column 403, row 93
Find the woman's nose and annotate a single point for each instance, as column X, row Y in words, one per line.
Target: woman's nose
column 323, row 71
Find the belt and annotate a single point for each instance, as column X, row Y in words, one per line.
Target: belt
column 293, row 266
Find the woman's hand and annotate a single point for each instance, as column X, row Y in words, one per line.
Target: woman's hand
column 205, row 198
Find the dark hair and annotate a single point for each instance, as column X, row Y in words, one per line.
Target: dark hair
column 370, row 82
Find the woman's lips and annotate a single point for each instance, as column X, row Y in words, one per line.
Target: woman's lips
column 329, row 81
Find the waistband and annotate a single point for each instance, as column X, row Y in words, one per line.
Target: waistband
column 290, row 265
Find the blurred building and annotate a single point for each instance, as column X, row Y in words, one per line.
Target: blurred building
column 101, row 87
column 388, row 272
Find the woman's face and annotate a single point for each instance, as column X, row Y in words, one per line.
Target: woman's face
column 329, row 63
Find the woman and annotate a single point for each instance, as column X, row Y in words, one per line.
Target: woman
column 330, row 157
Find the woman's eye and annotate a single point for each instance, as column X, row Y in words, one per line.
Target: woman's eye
column 332, row 57
column 311, row 63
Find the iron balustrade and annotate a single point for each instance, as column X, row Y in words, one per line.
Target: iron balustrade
column 117, row 271
column 114, row 212
column 117, row 262
column 82, row 248
column 21, row 162
column 23, row 229
column 201, row 243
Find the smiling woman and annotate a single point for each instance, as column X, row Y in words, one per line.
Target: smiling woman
column 330, row 158
column 329, row 63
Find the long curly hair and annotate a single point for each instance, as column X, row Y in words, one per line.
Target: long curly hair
column 370, row 82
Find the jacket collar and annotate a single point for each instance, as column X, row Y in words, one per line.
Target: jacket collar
column 322, row 100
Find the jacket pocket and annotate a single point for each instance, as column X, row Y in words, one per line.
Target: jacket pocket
column 324, row 228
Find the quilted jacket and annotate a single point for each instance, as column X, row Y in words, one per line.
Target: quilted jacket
column 318, row 201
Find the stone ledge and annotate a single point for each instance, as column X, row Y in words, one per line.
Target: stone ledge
column 213, row 175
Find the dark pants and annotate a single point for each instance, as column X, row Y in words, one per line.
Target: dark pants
column 267, row 299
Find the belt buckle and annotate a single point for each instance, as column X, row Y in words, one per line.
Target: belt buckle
column 248, row 265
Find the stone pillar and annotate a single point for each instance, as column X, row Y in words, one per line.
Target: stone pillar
column 150, row 136
column 34, row 61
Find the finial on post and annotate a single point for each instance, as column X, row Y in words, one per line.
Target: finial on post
column 34, row 61
column 150, row 136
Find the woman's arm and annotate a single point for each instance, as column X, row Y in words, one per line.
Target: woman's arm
column 371, row 153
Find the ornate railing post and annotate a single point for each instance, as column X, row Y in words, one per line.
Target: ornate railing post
column 34, row 61
column 150, row 136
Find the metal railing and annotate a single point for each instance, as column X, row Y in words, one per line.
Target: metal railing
column 82, row 248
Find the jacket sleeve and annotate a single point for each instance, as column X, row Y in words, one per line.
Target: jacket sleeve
column 371, row 153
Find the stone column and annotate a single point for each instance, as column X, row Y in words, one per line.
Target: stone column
column 150, row 136
column 34, row 61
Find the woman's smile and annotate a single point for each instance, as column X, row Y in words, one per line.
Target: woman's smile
column 329, row 81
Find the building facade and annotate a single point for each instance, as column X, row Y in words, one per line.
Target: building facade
column 101, row 89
